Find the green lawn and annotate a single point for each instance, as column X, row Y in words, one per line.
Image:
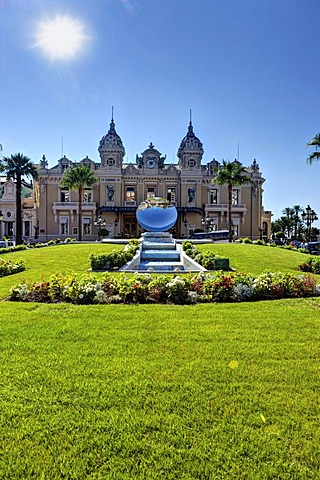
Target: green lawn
column 212, row 391
column 257, row 258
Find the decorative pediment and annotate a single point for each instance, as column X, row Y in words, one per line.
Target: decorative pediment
column 130, row 168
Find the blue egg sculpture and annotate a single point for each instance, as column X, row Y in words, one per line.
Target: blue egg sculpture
column 156, row 215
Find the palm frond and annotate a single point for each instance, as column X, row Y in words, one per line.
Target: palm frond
column 230, row 173
column 314, row 141
column 79, row 176
column 314, row 156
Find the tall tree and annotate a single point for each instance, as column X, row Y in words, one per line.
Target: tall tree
column 78, row 178
column 314, row 142
column 230, row 174
column 278, row 226
column 297, row 222
column 288, row 220
column 17, row 167
column 290, row 223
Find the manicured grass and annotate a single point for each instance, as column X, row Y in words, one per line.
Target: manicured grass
column 257, row 258
column 43, row 262
column 220, row 391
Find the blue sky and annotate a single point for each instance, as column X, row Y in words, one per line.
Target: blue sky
column 248, row 69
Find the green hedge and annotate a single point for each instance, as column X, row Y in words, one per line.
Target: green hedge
column 17, row 248
column 115, row 259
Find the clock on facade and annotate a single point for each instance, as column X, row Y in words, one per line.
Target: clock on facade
column 151, row 162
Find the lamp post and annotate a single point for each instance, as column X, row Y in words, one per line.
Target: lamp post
column 208, row 223
column 1, row 218
column 308, row 217
column 100, row 223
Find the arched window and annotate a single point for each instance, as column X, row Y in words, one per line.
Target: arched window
column 265, row 229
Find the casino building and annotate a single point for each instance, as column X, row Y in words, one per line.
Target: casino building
column 121, row 187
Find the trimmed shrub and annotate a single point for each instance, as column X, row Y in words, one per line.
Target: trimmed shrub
column 259, row 242
column 205, row 258
column 115, row 259
column 69, row 240
column 17, row 248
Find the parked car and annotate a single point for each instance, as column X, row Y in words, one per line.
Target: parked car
column 277, row 242
column 313, row 247
column 6, row 244
column 296, row 244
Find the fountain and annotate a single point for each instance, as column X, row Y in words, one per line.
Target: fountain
column 159, row 252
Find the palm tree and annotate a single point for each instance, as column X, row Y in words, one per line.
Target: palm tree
column 77, row 178
column 230, row 174
column 315, row 142
column 297, row 222
column 288, row 220
column 17, row 167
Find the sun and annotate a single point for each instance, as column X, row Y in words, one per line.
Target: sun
column 62, row 38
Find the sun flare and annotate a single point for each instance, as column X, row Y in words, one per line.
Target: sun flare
column 61, row 38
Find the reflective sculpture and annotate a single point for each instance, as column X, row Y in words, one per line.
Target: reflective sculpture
column 156, row 215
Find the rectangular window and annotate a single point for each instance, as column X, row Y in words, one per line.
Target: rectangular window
column 8, row 230
column 213, row 196
column 171, row 194
column 86, row 226
column 151, row 192
column 64, row 225
column 130, row 194
column 235, row 196
column 64, row 195
column 87, row 196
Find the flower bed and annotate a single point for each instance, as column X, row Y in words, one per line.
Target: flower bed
column 186, row 289
column 311, row 265
column 9, row 268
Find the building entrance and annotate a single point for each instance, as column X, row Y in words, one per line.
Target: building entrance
column 130, row 226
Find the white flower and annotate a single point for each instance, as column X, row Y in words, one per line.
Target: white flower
column 101, row 296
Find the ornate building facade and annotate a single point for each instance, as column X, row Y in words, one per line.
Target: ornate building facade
column 8, row 210
column 121, row 187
